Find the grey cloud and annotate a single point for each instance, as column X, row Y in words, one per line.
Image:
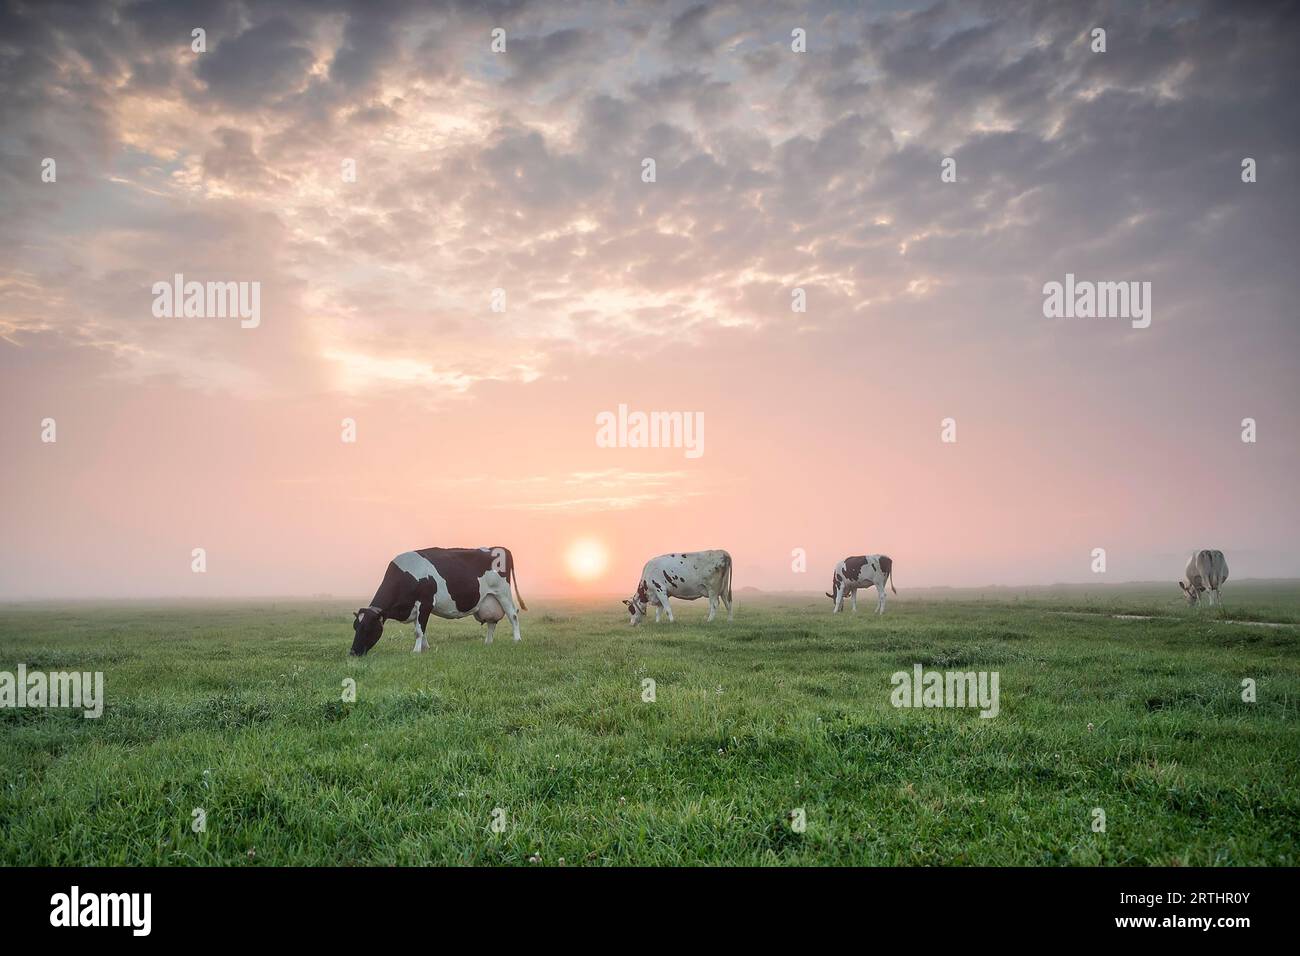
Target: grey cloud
column 368, row 43
column 257, row 66
column 537, row 59
column 710, row 99
column 234, row 158
column 688, row 31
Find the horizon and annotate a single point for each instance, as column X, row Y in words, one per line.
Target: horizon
column 615, row 596
column 868, row 278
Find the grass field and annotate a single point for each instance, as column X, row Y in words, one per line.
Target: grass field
column 237, row 709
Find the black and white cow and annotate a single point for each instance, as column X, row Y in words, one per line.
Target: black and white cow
column 688, row 575
column 862, row 571
column 448, row 582
column 1205, row 571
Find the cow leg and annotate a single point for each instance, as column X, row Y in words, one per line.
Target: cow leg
column 839, row 600
column 880, row 598
column 491, row 628
column 663, row 599
column 854, row 597
column 713, row 608
column 421, row 622
column 507, row 602
column 656, row 613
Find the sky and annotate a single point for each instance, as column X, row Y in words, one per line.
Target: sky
column 499, row 273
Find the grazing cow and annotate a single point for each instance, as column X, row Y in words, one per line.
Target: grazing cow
column 448, row 582
column 689, row 575
column 1206, row 571
column 862, row 571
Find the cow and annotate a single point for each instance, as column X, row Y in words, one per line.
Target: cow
column 688, row 575
column 448, row 582
column 1205, row 571
column 862, row 571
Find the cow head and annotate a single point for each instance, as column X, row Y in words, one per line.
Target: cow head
column 1191, row 594
column 636, row 609
column 636, row 605
column 368, row 628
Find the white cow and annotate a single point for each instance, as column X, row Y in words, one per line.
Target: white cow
column 862, row 571
column 688, row 575
column 1206, row 571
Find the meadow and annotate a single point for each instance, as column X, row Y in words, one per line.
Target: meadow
column 237, row 710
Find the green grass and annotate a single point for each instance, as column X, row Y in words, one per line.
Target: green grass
column 236, row 708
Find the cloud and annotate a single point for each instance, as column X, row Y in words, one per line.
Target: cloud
column 536, row 59
column 522, row 171
column 257, row 66
column 609, row 489
column 234, row 158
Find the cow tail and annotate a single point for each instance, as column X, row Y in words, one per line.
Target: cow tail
column 515, row 581
column 728, row 559
column 890, row 576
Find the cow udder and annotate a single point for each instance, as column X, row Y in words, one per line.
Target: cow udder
column 489, row 610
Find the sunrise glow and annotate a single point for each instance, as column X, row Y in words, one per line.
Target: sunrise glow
column 586, row 559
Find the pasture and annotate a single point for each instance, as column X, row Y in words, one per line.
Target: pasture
column 237, row 709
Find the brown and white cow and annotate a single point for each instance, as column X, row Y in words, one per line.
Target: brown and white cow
column 1205, row 571
column 446, row 582
column 862, row 571
column 687, row 575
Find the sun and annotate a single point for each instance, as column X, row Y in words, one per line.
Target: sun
column 587, row 559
